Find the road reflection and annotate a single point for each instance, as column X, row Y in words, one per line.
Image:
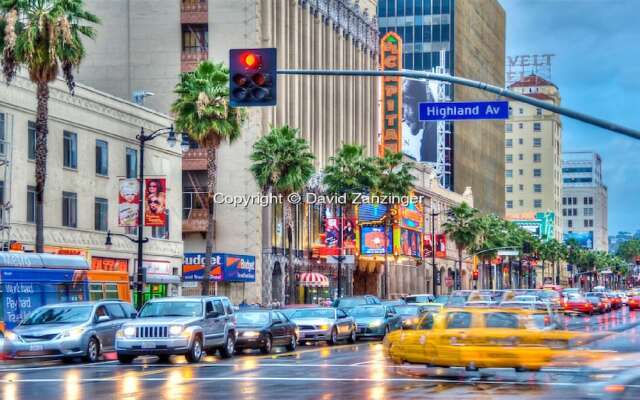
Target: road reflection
column 10, row 390
column 72, row 387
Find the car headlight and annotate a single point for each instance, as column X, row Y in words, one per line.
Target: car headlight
column 129, row 331
column 375, row 324
column 72, row 333
column 250, row 334
column 11, row 336
column 323, row 327
column 175, row 330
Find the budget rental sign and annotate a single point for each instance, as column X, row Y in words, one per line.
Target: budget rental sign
column 391, row 60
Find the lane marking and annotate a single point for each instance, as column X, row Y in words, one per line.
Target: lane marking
column 61, row 366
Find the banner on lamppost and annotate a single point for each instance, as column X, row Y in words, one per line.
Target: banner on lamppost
column 128, row 206
column 155, row 190
column 441, row 245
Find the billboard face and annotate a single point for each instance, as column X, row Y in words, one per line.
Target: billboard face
column 349, row 233
column 331, row 231
column 371, row 212
column 410, row 243
column 411, row 217
column 373, row 240
column 224, row 267
column 419, row 138
column 391, row 106
column 584, row 239
column 128, row 203
column 155, row 202
column 441, row 245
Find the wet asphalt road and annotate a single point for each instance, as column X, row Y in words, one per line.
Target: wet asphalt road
column 357, row 371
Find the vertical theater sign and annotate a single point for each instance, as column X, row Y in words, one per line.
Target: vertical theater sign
column 391, row 60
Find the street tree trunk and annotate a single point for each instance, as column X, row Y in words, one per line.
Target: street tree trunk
column 211, row 186
column 42, row 115
column 458, row 283
column 288, row 223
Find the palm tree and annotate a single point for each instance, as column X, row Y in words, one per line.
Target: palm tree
column 44, row 36
column 283, row 164
column 463, row 227
column 202, row 110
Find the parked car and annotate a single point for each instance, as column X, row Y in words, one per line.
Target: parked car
column 68, row 330
column 576, row 302
column 345, row 303
column 634, row 302
column 393, row 303
column 324, row 324
column 616, row 301
column 599, row 305
column 375, row 320
column 603, row 298
column 264, row 329
column 419, row 298
column 179, row 325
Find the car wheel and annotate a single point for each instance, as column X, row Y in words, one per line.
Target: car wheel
column 229, row 347
column 125, row 359
column 334, row 337
column 293, row 343
column 353, row 337
column 164, row 358
column 266, row 347
column 93, row 351
column 195, row 352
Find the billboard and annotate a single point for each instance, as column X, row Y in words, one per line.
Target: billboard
column 427, row 246
column 540, row 224
column 155, row 190
column 371, row 212
column 128, row 202
column 584, row 239
column 411, row 217
column 410, row 243
column 373, row 240
column 419, row 138
column 391, row 106
column 224, row 267
column 331, row 231
column 349, row 233
column 441, row 245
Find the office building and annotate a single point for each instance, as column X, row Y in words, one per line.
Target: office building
column 532, row 143
column 584, row 200
column 465, row 38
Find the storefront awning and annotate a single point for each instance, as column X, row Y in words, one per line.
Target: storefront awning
column 313, row 279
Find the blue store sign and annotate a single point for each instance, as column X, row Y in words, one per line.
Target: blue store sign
column 224, row 267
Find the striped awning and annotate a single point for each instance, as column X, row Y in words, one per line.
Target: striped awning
column 313, row 279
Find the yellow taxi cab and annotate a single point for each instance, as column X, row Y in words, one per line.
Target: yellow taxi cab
column 482, row 338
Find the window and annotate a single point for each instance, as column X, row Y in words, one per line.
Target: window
column 501, row 320
column 31, row 204
column 102, row 158
column 131, row 156
column 509, row 204
column 588, row 223
column 537, row 172
column 508, row 143
column 588, row 212
column 508, row 128
column 537, row 157
column 508, row 173
column 426, row 323
column 70, row 209
column 587, row 200
column 208, row 308
column 227, row 306
column 521, row 187
column 537, row 142
column 520, row 156
column 570, row 223
column 509, row 188
column 520, row 111
column 520, row 172
column 539, row 112
column 564, row 212
column 217, row 304
column 101, row 214
column 2, row 133
column 70, row 149
column 31, row 140
column 537, row 188
column 115, row 311
column 574, row 212
column 521, row 203
column 508, row 158
column 575, row 200
column 537, row 127
column 520, row 125
column 161, row 232
column 458, row 320
column 564, row 201
column 195, row 38
column 537, row 203
column 520, row 141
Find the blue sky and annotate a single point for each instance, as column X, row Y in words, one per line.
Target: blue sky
column 597, row 69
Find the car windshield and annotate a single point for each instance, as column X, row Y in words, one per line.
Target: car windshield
column 593, row 299
column 548, row 294
column 252, row 318
column 172, row 309
column 432, row 308
column 59, row 315
column 352, row 302
column 314, row 313
column 417, row 299
column 368, row 312
column 524, row 298
column 441, row 299
column 456, row 301
column 407, row 310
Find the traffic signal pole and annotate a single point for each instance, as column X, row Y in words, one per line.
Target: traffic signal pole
column 633, row 133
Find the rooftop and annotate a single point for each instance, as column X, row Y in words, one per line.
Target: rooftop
column 532, row 80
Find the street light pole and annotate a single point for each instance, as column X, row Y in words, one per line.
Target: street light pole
column 433, row 251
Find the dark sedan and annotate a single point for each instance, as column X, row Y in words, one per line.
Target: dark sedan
column 264, row 329
column 375, row 321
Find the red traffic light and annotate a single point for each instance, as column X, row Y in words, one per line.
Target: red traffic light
column 475, row 275
column 251, row 60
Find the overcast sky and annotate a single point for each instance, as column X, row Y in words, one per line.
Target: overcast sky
column 597, row 69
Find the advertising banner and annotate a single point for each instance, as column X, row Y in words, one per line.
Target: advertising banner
column 373, row 240
column 225, row 267
column 109, row 264
column 411, row 217
column 410, row 242
column 371, row 212
column 331, row 231
column 584, row 239
column 349, row 233
column 155, row 191
column 391, row 60
column 441, row 245
column 427, row 246
column 419, row 138
column 128, row 202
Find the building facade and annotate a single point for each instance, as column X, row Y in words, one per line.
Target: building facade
column 533, row 148
column 91, row 145
column 584, row 200
column 465, row 38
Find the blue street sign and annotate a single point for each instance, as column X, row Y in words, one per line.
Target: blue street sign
column 466, row 110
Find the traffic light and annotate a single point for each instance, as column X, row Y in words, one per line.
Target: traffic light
column 475, row 268
column 253, row 75
column 526, row 247
column 475, row 275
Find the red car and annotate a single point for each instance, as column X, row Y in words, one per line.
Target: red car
column 578, row 303
column 634, row 303
column 616, row 302
column 603, row 298
column 599, row 305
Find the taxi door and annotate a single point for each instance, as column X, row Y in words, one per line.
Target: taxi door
column 451, row 341
column 415, row 345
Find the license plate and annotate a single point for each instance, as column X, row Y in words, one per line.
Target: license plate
column 148, row 345
column 36, row 347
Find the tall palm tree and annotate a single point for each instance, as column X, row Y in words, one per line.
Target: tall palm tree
column 44, row 36
column 283, row 164
column 202, row 110
column 463, row 227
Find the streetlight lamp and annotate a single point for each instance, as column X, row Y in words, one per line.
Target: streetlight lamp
column 143, row 138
